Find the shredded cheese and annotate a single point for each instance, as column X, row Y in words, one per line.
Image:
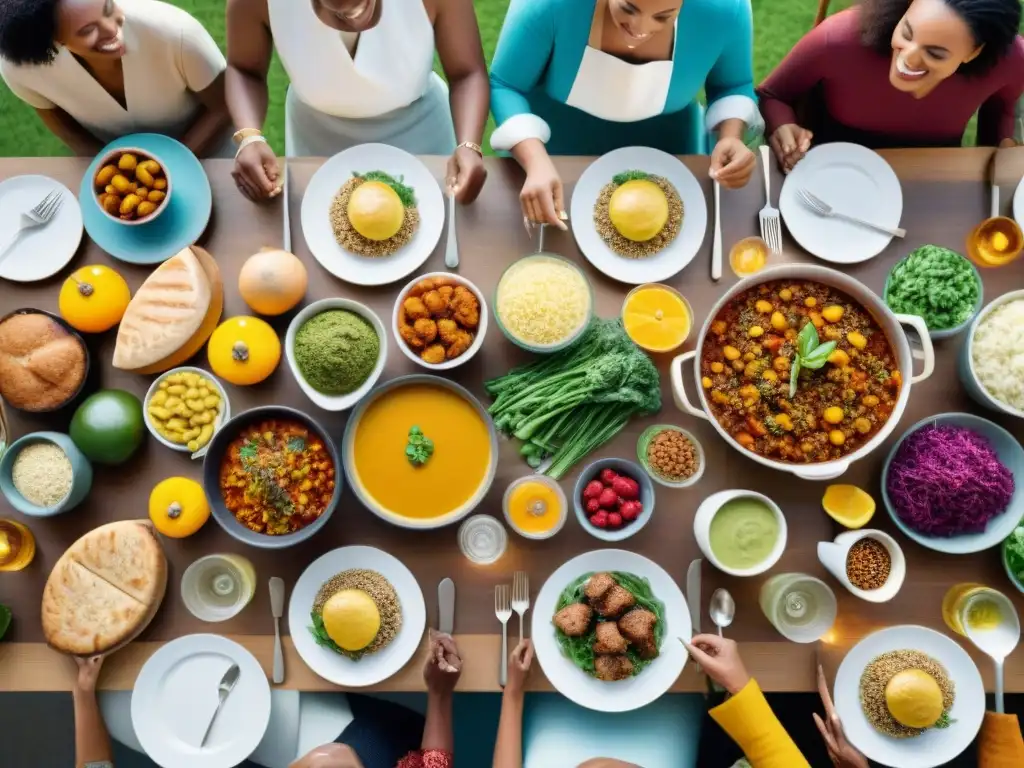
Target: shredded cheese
column 543, row 300
column 998, row 353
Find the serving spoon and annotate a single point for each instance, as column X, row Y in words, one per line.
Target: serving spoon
column 998, row 642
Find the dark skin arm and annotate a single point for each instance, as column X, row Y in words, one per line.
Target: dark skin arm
column 70, row 131
column 207, row 128
column 92, row 744
column 250, row 48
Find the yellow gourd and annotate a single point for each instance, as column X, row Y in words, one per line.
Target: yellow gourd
column 375, row 210
column 244, row 350
column 93, row 299
column 178, row 507
column 272, row 281
column 638, row 209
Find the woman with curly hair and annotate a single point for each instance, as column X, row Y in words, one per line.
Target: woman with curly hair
column 899, row 73
column 95, row 70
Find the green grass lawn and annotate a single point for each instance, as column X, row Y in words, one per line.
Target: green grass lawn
column 778, row 24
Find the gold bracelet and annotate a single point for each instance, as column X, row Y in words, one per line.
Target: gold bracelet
column 245, row 133
column 471, row 145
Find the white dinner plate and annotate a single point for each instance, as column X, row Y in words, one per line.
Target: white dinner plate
column 43, row 251
column 176, row 695
column 577, row 685
column 853, row 180
column 934, row 747
column 667, row 262
column 372, row 668
column 1018, row 203
column 316, row 208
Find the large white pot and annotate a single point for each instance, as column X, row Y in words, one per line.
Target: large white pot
column 889, row 322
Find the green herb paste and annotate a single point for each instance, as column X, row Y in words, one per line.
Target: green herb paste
column 935, row 283
column 336, row 351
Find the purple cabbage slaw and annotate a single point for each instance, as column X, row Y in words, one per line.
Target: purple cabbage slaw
column 947, row 480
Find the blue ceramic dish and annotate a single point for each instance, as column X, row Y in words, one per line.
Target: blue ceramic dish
column 620, row 466
column 965, row 362
column 181, row 221
column 1010, row 454
column 81, row 469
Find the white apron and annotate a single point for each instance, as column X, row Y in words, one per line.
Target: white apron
column 612, row 89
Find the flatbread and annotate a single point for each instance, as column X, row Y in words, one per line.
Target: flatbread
column 164, row 314
column 83, row 614
column 127, row 555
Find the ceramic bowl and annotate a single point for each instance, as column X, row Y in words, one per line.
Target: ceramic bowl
column 622, row 467
column 833, row 555
column 1009, row 572
column 945, row 333
column 965, row 363
column 479, row 334
column 555, row 487
column 336, row 402
column 641, row 453
column 702, row 530
column 225, row 410
column 81, row 474
column 142, row 154
column 75, row 398
column 215, row 456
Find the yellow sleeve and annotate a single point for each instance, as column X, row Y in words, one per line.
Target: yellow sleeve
column 1001, row 744
column 750, row 722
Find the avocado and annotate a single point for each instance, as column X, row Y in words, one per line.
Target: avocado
column 108, row 427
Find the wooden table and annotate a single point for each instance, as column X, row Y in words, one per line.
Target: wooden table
column 944, row 197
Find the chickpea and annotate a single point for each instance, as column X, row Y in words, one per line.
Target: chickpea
column 738, row 365
column 836, row 437
column 785, row 294
column 833, row 414
column 790, row 334
column 769, row 376
column 862, row 425
column 857, row 339
column 784, row 421
column 869, row 401
column 810, row 301
column 731, row 353
column 781, row 363
column 816, row 320
column 706, row 382
column 839, row 358
column 762, row 306
column 749, row 357
column 755, row 331
column 717, row 367
column 832, row 333
column 779, row 321
column 833, row 313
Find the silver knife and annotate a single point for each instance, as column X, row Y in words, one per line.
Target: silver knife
column 227, row 683
column 693, row 598
column 446, row 606
column 451, row 248
column 277, row 609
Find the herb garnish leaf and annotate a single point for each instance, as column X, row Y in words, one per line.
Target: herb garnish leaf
column 621, row 178
column 405, row 193
column 810, row 354
column 296, row 444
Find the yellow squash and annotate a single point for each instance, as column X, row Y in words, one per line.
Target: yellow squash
column 178, row 507
column 375, row 210
column 351, row 619
column 638, row 209
column 93, row 299
column 914, row 699
column 244, row 350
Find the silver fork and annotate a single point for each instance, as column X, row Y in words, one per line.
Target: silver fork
column 40, row 215
column 771, row 221
column 822, row 208
column 520, row 597
column 503, row 610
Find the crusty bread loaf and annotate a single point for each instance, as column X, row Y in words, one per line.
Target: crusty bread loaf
column 42, row 364
column 128, row 556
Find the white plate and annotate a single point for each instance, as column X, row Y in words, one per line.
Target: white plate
column 853, row 180
column 176, row 694
column 370, row 669
column 662, row 265
column 41, row 252
column 577, row 685
column 934, row 747
column 1018, row 203
column 316, row 207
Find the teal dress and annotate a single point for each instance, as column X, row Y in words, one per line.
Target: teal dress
column 548, row 81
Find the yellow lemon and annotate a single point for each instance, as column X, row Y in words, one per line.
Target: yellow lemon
column 351, row 619
column 656, row 318
column 914, row 699
column 375, row 210
column 848, row 505
column 638, row 209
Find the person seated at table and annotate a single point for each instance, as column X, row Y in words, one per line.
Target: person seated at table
column 584, row 77
column 95, row 70
column 664, row 733
column 92, row 743
column 888, row 74
column 361, row 71
column 382, row 743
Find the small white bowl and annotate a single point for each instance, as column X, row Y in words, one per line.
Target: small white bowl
column 833, row 555
column 554, row 486
column 478, row 338
column 336, row 402
column 702, row 530
column 225, row 410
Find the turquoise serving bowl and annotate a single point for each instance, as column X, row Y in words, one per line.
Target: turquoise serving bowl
column 1009, row 452
column 81, row 477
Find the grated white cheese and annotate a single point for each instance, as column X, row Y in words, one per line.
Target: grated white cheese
column 997, row 352
column 543, row 300
column 42, row 473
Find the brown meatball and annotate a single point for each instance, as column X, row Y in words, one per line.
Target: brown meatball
column 637, row 626
column 574, row 620
column 612, row 668
column 597, row 585
column 615, row 602
column 609, row 640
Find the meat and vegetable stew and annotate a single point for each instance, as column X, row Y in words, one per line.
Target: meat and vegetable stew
column 277, row 477
column 798, row 372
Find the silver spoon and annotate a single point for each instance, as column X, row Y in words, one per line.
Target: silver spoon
column 723, row 609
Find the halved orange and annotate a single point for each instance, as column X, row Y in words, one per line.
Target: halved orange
column 656, row 317
column 848, row 505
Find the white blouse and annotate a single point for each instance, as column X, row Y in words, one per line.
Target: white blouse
column 169, row 58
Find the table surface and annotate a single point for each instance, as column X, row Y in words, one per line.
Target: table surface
column 944, row 197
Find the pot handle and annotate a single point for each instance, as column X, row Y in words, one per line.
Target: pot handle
column 829, row 471
column 675, row 372
column 927, row 350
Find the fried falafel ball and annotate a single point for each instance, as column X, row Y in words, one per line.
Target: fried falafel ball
column 612, row 668
column 609, row 640
column 426, row 329
column 415, row 308
column 465, row 308
column 615, row 602
column 597, row 585
column 574, row 620
column 433, row 354
column 637, row 626
column 446, row 291
column 463, row 341
column 436, row 303
column 447, row 329
column 409, row 335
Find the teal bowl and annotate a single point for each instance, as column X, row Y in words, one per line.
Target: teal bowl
column 81, row 475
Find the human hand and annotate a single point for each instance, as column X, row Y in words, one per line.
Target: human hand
column 88, row 672
column 542, row 195
column 790, row 143
column 732, row 163
column 443, row 666
column 256, row 172
column 465, row 174
column 721, row 659
column 831, row 729
column 519, row 663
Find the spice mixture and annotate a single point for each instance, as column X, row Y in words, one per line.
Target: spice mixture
column 672, row 455
column 631, row 249
column 42, row 473
column 347, row 237
column 868, row 564
column 884, row 668
column 336, row 351
column 380, row 591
